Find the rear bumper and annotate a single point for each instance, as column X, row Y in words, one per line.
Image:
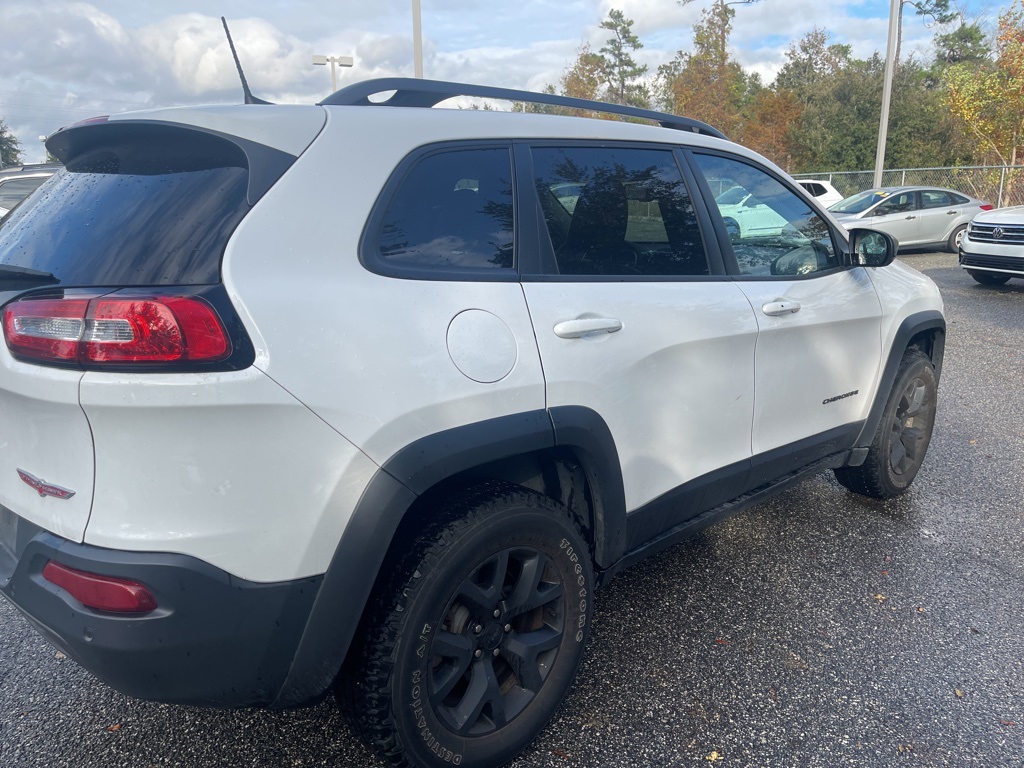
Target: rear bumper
column 213, row 640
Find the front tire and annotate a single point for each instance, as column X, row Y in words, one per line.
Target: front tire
column 903, row 434
column 476, row 640
column 988, row 278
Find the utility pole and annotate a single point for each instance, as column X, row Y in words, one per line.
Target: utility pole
column 895, row 8
column 417, row 40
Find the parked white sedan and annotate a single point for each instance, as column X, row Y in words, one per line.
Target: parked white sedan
column 992, row 250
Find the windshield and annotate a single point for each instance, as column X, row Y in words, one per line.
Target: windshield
column 733, row 196
column 860, row 202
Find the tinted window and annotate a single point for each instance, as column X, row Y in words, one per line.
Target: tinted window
column 958, row 199
column 13, row 191
column 933, row 198
column 147, row 213
column 452, row 210
column 899, row 203
column 773, row 230
column 815, row 189
column 618, row 211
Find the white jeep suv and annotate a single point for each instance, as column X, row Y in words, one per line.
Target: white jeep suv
column 370, row 397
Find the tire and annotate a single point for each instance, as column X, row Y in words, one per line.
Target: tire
column 988, row 278
column 475, row 641
column 955, row 238
column 901, row 440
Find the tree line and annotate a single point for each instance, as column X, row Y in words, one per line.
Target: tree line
column 964, row 106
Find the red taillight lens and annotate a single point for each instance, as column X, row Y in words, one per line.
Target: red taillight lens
column 987, row 207
column 116, row 329
column 103, row 593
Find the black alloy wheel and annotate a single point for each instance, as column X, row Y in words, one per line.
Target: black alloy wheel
column 903, row 434
column 474, row 641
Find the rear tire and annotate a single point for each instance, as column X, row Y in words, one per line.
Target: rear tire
column 955, row 238
column 988, row 278
column 472, row 646
column 901, row 440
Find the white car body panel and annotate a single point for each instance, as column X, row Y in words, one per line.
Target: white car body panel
column 824, row 350
column 419, row 397
column 675, row 385
column 226, row 467
column 46, row 434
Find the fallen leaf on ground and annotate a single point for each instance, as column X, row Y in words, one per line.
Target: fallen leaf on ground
column 714, row 757
column 881, row 598
column 959, row 693
column 1006, row 722
column 114, row 728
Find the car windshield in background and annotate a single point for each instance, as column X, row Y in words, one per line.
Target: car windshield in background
column 859, row 202
column 733, row 196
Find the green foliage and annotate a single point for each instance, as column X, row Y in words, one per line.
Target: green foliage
column 10, row 147
column 620, row 68
column 964, row 45
column 822, row 110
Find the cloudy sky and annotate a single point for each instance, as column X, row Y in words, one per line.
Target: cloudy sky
column 65, row 61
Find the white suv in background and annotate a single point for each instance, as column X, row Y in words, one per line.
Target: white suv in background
column 821, row 190
column 992, row 250
column 370, row 397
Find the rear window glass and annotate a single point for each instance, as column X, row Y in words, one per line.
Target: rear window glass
column 13, row 191
column 134, row 213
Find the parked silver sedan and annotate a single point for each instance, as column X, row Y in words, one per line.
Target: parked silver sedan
column 915, row 216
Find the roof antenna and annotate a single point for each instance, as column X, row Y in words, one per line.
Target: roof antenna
column 249, row 98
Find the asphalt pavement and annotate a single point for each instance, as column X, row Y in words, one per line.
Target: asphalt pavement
column 817, row 629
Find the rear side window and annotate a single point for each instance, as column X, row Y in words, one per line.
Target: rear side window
column 451, row 211
column 13, row 191
column 143, row 209
column 618, row 211
column 933, row 198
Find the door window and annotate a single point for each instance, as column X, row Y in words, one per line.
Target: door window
column 772, row 229
column 618, row 211
column 933, row 198
column 901, row 203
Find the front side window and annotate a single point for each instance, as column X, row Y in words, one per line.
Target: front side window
column 452, row 210
column 618, row 211
column 772, row 229
column 899, row 203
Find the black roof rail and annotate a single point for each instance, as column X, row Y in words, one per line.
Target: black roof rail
column 415, row 92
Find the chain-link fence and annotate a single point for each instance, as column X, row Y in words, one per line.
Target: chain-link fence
column 1001, row 185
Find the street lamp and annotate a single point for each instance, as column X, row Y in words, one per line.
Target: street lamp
column 341, row 61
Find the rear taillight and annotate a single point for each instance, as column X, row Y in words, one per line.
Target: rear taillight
column 103, row 593
column 987, row 207
column 116, row 329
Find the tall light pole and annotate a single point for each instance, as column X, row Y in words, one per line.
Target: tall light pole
column 341, row 61
column 417, row 40
column 895, row 8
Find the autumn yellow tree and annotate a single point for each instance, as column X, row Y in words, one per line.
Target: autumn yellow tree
column 989, row 100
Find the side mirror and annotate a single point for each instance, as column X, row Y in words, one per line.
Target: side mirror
column 871, row 248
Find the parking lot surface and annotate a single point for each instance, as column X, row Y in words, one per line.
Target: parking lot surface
column 817, row 629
